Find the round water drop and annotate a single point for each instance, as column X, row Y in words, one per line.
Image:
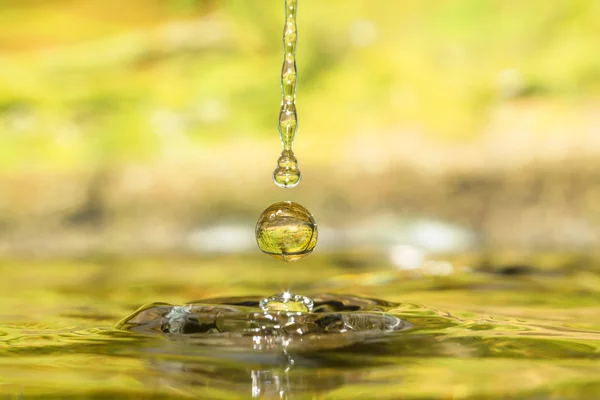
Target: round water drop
column 287, row 174
column 286, row 231
column 286, row 302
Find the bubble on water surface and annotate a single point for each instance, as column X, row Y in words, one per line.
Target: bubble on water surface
column 286, row 231
column 287, row 302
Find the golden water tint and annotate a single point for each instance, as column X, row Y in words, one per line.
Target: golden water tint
column 286, row 231
column 287, row 174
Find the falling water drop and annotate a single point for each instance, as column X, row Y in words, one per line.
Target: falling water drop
column 286, row 231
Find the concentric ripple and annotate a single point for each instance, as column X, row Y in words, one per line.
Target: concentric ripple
column 239, row 322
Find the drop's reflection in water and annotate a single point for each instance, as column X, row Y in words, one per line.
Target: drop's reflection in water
column 258, row 383
column 283, row 377
column 270, row 382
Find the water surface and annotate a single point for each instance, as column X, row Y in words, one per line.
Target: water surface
column 529, row 331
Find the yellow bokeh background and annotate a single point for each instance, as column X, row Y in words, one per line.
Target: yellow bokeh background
column 152, row 118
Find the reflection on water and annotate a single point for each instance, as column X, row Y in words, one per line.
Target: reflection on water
column 473, row 335
column 268, row 382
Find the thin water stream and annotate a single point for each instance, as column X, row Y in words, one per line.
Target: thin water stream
column 287, row 174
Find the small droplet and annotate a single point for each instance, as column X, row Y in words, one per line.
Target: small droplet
column 286, row 231
column 287, row 174
column 287, row 302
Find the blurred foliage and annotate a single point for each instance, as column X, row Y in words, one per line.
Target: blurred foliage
column 93, row 82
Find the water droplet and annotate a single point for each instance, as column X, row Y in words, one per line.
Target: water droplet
column 287, row 302
column 287, row 174
column 286, row 231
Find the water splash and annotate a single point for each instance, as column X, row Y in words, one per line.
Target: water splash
column 282, row 322
column 286, row 302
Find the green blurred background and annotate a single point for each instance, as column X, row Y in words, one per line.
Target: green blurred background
column 150, row 126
